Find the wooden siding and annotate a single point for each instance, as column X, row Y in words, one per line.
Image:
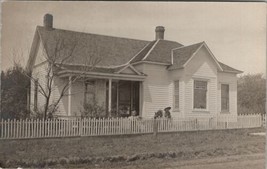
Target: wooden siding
column 101, row 90
column 77, row 98
column 231, row 79
column 59, row 83
column 139, row 67
column 158, row 89
column 201, row 67
column 38, row 73
column 155, row 89
column 78, row 90
column 177, row 75
column 41, row 55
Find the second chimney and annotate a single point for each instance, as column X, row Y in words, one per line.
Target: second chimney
column 159, row 32
column 48, row 21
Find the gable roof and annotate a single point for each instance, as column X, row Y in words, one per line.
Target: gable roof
column 131, row 68
column 159, row 51
column 111, row 51
column 114, row 53
column 183, row 54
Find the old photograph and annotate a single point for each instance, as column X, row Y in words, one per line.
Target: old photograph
column 130, row 85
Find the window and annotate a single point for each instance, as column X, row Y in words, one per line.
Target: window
column 176, row 95
column 200, row 94
column 225, row 98
column 89, row 92
column 35, row 95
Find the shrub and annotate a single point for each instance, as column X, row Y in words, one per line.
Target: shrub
column 93, row 109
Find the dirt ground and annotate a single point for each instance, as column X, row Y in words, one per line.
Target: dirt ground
column 255, row 161
column 108, row 151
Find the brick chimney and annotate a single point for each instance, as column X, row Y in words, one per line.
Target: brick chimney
column 48, row 21
column 159, row 32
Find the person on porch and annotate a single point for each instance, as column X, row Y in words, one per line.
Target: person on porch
column 134, row 115
column 124, row 112
column 133, row 118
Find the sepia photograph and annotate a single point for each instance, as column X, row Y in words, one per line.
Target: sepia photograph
column 133, row 85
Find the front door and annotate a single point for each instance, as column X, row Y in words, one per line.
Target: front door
column 125, row 97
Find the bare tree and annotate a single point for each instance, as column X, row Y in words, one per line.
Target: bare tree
column 58, row 53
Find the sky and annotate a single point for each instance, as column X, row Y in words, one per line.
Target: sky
column 234, row 32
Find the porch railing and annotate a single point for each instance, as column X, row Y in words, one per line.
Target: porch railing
column 39, row 128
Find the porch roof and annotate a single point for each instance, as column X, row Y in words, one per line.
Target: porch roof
column 101, row 75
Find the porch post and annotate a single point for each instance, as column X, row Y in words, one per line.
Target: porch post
column 109, row 96
column 141, row 98
column 69, row 97
column 117, row 105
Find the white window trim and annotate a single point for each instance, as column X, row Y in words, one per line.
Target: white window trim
column 221, row 111
column 207, row 95
column 173, row 100
column 35, row 94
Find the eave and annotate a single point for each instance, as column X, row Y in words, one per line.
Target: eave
column 234, row 72
column 67, row 73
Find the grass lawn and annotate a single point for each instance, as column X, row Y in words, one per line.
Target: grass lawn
column 104, row 151
column 193, row 145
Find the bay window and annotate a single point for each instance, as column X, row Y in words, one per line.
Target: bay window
column 176, row 95
column 200, row 94
column 225, row 97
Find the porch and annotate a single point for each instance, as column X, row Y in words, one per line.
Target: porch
column 108, row 95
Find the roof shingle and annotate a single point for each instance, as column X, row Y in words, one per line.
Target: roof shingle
column 182, row 54
column 162, row 51
column 114, row 52
column 111, row 51
column 227, row 68
column 143, row 53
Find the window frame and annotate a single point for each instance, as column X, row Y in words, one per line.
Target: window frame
column 207, row 95
column 35, row 94
column 175, row 94
column 225, row 111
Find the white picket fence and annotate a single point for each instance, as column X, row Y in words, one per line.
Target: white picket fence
column 37, row 128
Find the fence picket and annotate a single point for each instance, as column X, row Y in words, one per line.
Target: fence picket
column 2, row 128
column 8, row 122
column 38, row 128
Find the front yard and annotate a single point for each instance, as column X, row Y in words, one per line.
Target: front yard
column 107, row 150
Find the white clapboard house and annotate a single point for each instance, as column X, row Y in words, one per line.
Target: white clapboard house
column 132, row 74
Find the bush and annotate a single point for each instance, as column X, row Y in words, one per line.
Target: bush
column 251, row 94
column 92, row 110
column 14, row 87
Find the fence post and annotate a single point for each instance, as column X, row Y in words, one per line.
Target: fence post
column 155, row 127
column 263, row 120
